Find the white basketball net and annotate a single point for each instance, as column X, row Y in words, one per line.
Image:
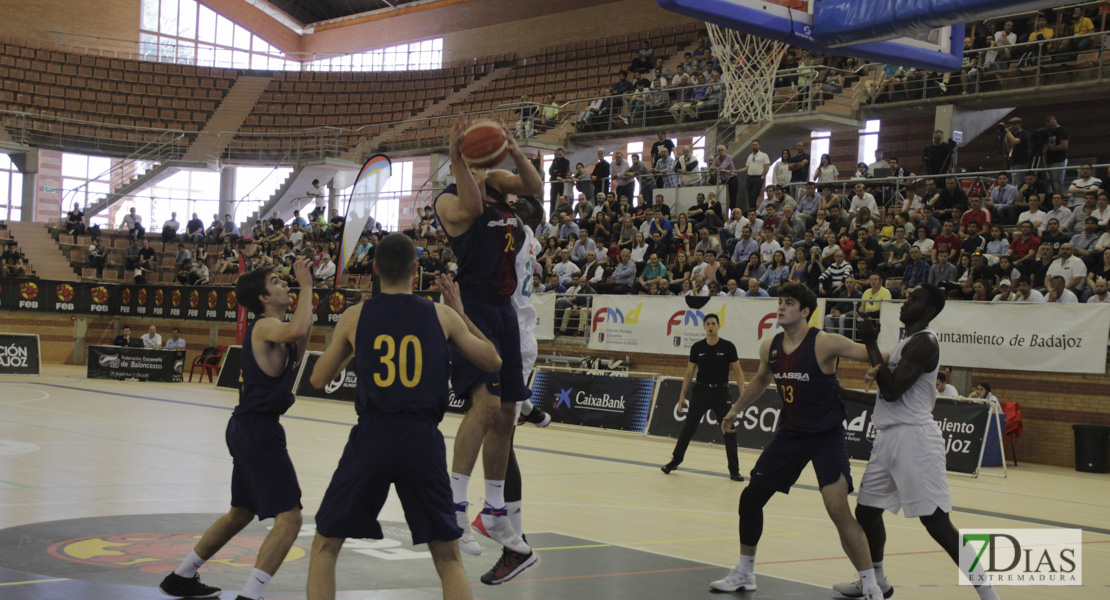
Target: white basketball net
column 748, row 65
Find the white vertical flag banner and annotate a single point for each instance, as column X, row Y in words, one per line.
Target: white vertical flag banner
column 371, row 179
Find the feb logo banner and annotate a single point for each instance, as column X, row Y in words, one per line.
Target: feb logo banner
column 667, row 325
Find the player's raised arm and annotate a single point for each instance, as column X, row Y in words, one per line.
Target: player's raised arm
column 527, row 182
column 461, row 333
column 834, row 346
column 919, row 356
column 341, row 348
column 466, row 204
column 751, row 392
column 300, row 326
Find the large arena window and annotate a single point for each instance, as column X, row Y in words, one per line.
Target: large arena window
column 189, row 33
column 426, row 54
column 11, row 190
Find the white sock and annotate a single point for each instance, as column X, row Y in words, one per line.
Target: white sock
column 495, row 492
column 746, row 566
column 255, row 584
column 867, row 578
column 514, row 516
column 459, row 484
column 526, row 407
column 986, row 592
column 190, row 566
column 879, row 575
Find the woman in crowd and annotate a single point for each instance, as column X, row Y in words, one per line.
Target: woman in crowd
column 826, row 171
column 680, row 272
column 776, row 274
column 639, row 251
column 781, row 172
column 684, row 232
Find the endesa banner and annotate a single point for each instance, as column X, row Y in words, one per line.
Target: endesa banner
column 962, row 423
column 594, row 400
column 1048, row 337
column 186, row 303
column 666, row 325
column 19, row 354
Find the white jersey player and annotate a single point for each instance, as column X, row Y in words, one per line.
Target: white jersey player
column 907, row 468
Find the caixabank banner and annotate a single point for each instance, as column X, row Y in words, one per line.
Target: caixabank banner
column 594, row 400
column 19, row 354
column 963, row 424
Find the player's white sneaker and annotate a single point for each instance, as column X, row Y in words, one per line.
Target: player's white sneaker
column 494, row 523
column 735, row 581
column 467, row 543
column 855, row 589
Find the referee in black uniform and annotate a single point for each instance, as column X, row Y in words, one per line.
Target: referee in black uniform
column 714, row 358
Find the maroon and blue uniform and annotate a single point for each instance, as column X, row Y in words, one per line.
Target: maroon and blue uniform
column 263, row 480
column 811, row 427
column 487, row 280
column 401, row 362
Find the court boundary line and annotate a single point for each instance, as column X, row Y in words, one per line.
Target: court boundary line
column 811, row 488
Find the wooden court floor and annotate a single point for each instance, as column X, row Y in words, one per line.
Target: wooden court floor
column 72, row 448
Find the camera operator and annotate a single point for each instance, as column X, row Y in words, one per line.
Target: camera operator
column 1019, row 143
column 937, row 157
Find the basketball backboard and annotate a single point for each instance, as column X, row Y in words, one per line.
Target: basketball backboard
column 791, row 22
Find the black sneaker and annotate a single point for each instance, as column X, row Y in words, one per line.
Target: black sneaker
column 537, row 417
column 736, row 477
column 508, row 566
column 667, row 468
column 187, row 587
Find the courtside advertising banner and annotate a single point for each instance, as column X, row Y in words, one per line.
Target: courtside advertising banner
column 545, row 315
column 594, row 400
column 230, row 369
column 19, row 354
column 667, row 325
column 342, row 387
column 1042, row 337
column 963, row 424
column 141, row 364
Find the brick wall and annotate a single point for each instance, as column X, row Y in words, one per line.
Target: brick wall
column 102, row 18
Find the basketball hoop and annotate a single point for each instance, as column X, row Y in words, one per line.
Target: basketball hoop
column 748, row 64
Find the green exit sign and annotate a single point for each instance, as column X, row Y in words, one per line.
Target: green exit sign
column 49, row 190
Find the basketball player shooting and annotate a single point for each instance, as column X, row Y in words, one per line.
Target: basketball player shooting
column 486, row 236
column 906, row 470
column 802, row 362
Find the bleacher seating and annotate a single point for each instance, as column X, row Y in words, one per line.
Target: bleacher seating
column 108, row 91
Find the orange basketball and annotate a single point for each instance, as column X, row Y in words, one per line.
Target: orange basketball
column 484, row 144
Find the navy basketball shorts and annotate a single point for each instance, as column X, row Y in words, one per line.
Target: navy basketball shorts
column 783, row 460
column 409, row 454
column 498, row 322
column 263, row 480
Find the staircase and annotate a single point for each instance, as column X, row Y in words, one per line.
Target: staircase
column 42, row 251
column 135, row 184
column 227, row 119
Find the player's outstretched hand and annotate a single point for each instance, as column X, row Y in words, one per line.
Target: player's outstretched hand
column 868, row 329
column 456, row 138
column 728, row 423
column 450, row 290
column 869, row 377
column 302, row 268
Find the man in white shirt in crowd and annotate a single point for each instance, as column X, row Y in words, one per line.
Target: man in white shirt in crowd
column 756, row 169
column 1070, row 268
column 1100, row 296
column 1026, row 293
column 565, row 269
column 945, row 389
column 170, row 227
column 176, row 342
column 297, row 238
column 326, row 269
column 151, row 339
column 1087, row 182
column 1034, row 215
column 1058, row 293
